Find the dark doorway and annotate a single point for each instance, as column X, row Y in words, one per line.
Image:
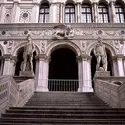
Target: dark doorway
column 94, row 62
column 63, row 67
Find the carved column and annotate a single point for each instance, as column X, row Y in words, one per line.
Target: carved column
column 78, row 12
column 113, row 15
column 61, row 12
column 120, row 67
column 79, row 60
column 42, row 83
column 86, row 74
column 124, row 63
column 115, row 69
column 95, row 12
column 13, row 60
column 7, row 64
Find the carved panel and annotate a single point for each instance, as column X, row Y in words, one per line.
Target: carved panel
column 8, row 15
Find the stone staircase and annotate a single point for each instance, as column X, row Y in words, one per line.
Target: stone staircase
column 61, row 108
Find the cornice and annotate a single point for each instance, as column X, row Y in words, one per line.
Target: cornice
column 51, row 25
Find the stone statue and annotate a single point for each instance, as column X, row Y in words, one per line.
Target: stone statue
column 63, row 31
column 27, row 64
column 101, row 56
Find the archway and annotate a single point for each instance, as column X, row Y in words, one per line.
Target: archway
column 20, row 60
column 94, row 62
column 63, row 70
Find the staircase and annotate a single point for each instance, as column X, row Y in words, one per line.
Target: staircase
column 57, row 108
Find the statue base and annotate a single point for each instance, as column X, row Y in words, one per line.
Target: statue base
column 26, row 73
column 102, row 73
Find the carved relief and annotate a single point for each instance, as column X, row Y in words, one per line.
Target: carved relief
column 43, row 47
column 8, row 13
column 10, row 46
column 83, row 46
column 25, row 15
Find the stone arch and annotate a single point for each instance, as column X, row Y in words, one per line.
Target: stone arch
column 55, row 45
column 16, row 48
column 87, row 2
column 108, row 46
column 43, row 1
column 106, row 2
column 122, row 2
column 70, row 2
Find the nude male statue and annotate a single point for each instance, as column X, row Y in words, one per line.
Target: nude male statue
column 101, row 56
column 27, row 64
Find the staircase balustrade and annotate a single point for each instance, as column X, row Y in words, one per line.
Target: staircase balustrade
column 111, row 92
column 13, row 94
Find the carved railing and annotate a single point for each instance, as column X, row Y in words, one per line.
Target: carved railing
column 13, row 94
column 26, row 90
column 111, row 91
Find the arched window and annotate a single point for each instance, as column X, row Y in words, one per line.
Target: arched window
column 86, row 14
column 70, row 13
column 120, row 14
column 44, row 13
column 103, row 15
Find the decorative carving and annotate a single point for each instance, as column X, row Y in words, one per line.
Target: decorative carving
column 43, row 47
column 101, row 56
column 63, row 32
column 25, row 16
column 83, row 43
column 7, row 18
column 10, row 45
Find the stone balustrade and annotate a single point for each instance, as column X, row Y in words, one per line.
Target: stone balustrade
column 111, row 92
column 13, row 94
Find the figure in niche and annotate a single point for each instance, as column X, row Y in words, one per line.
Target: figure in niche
column 101, row 56
column 27, row 64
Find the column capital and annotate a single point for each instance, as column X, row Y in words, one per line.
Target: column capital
column 84, row 57
column 43, row 57
column 118, row 57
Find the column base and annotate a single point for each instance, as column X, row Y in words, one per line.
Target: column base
column 85, row 89
column 41, row 89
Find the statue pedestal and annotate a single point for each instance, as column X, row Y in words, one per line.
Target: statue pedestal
column 26, row 73
column 102, row 73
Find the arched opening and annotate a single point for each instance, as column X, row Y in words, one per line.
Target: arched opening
column 20, row 60
column 94, row 62
column 1, row 60
column 63, row 70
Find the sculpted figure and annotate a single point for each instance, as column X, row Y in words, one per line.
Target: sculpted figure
column 63, row 31
column 101, row 56
column 27, row 64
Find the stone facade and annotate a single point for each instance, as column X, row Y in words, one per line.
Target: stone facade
column 19, row 18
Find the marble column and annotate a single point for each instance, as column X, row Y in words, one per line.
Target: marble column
column 61, row 13
column 13, row 60
column 124, row 64
column 120, row 67
column 95, row 12
column 78, row 12
column 2, row 65
column 113, row 15
column 7, row 64
column 42, row 84
column 115, row 69
column 86, row 74
column 79, row 61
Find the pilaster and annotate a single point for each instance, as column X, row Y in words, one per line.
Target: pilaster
column 35, row 13
column 61, row 12
column 42, row 83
